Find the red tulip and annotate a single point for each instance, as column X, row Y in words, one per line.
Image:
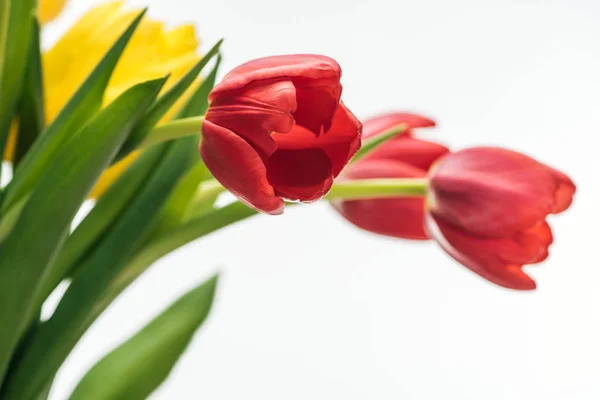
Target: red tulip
column 276, row 130
column 487, row 208
column 402, row 157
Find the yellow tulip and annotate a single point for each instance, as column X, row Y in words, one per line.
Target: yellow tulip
column 153, row 52
column 49, row 9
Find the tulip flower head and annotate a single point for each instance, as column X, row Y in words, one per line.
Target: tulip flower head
column 404, row 156
column 487, row 208
column 276, row 130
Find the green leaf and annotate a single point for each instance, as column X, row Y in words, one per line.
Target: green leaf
column 180, row 236
column 105, row 272
column 84, row 104
column 204, row 199
column 45, row 220
column 165, row 102
column 137, row 367
column 175, row 209
column 99, row 220
column 15, row 37
column 31, row 108
column 198, row 102
column 372, row 143
column 93, row 287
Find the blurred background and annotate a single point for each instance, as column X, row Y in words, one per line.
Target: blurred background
column 309, row 306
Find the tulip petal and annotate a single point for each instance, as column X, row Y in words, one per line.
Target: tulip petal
column 491, row 192
column 340, row 143
column 565, row 189
column 376, row 125
column 238, row 167
column 479, row 255
column 255, row 111
column 316, row 79
column 318, row 101
column 397, row 217
column 300, row 174
column 419, row 153
column 309, row 66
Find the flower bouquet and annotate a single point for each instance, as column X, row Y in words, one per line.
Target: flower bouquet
column 124, row 116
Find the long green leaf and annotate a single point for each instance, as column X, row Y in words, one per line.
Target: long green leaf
column 99, row 220
column 137, row 367
column 84, row 104
column 104, row 273
column 31, row 107
column 119, row 195
column 15, row 36
column 175, row 210
column 89, row 293
column 45, row 220
column 165, row 102
column 198, row 102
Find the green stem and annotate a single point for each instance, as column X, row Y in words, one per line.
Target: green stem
column 378, row 188
column 173, row 130
column 344, row 190
column 370, row 144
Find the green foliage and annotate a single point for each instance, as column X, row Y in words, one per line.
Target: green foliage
column 28, row 250
column 84, row 104
column 149, row 211
column 31, row 107
column 136, row 368
column 15, row 37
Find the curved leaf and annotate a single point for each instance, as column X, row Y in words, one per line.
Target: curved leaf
column 136, row 368
column 84, row 104
column 45, row 220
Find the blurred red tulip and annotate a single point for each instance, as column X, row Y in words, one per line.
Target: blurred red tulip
column 401, row 157
column 487, row 208
column 276, row 130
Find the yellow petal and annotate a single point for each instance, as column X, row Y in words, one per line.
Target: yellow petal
column 49, row 9
column 181, row 39
column 11, row 142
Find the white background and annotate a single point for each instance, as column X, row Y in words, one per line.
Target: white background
column 311, row 308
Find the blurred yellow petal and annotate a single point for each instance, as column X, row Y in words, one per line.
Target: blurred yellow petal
column 49, row 9
column 181, row 39
column 11, row 142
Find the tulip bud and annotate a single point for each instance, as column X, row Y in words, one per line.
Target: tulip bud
column 276, row 129
column 487, row 208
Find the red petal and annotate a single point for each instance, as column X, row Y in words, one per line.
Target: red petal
column 255, row 111
column 396, row 217
column 376, row 125
column 238, row 167
column 565, row 189
column 309, row 66
column 300, row 174
column 419, row 153
column 491, row 192
column 480, row 255
column 318, row 99
column 303, row 166
column 316, row 79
